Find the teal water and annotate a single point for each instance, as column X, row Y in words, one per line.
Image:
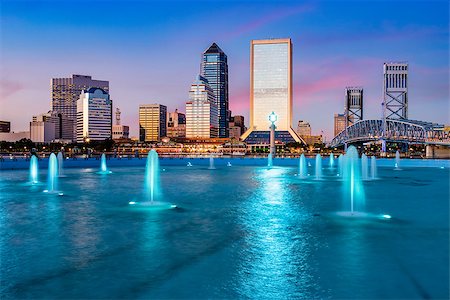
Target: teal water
column 239, row 232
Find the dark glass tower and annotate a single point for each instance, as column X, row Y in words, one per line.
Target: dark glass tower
column 215, row 69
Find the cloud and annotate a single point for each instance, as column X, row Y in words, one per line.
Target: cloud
column 273, row 16
column 9, row 88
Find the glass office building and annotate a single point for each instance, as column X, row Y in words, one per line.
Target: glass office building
column 214, row 68
column 270, row 91
column 152, row 122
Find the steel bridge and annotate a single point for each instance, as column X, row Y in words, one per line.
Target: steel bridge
column 389, row 130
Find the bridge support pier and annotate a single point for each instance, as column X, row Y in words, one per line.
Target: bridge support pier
column 435, row 151
column 429, row 152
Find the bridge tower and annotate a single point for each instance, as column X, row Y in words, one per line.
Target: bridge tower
column 395, row 91
column 353, row 105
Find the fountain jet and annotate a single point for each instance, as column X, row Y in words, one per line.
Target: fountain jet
column 364, row 167
column 397, row 160
column 318, row 167
column 269, row 160
column 331, row 160
column 52, row 181
column 34, row 169
column 302, row 169
column 60, row 164
column 353, row 184
column 151, row 186
column 373, row 167
column 103, row 167
column 341, row 165
column 211, row 163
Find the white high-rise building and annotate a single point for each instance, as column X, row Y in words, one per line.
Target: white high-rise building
column 270, row 91
column 201, row 111
column 94, row 115
column 303, row 128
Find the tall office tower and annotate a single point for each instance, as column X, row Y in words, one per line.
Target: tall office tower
column 51, row 126
column 202, row 120
column 94, row 115
column 353, row 105
column 214, row 68
column 5, row 126
column 395, row 90
column 339, row 123
column 303, row 128
column 270, row 91
column 176, row 124
column 152, row 122
column 66, row 92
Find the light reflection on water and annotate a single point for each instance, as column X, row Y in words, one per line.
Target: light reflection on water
column 276, row 263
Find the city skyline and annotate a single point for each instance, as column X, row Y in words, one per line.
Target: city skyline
column 333, row 48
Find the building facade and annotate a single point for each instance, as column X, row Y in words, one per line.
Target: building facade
column 303, row 129
column 51, row 126
column 339, row 123
column 5, row 126
column 176, row 124
column 395, row 90
column 214, row 68
column 270, row 91
column 120, row 132
column 94, row 115
column 202, row 119
column 152, row 122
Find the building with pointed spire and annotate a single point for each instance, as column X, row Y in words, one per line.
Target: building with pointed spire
column 214, row 68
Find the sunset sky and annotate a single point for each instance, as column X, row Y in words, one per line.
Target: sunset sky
column 150, row 52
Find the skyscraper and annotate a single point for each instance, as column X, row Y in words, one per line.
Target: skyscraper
column 214, row 68
column 353, row 105
column 201, row 111
column 66, row 92
column 152, row 122
column 270, row 91
column 94, row 115
column 339, row 123
column 395, row 90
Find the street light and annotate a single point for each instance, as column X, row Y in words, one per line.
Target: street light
column 272, row 118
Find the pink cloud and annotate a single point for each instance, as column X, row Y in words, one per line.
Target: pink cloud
column 8, row 88
column 273, row 16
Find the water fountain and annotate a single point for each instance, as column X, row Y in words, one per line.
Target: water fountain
column 397, row 160
column 152, row 189
column 353, row 187
column 211, row 163
column 269, row 160
column 228, row 164
column 364, row 167
column 34, row 169
column 318, row 167
column 60, row 164
column 103, row 167
column 52, row 181
column 331, row 160
column 373, row 167
column 341, row 165
column 302, row 169
column 189, row 164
